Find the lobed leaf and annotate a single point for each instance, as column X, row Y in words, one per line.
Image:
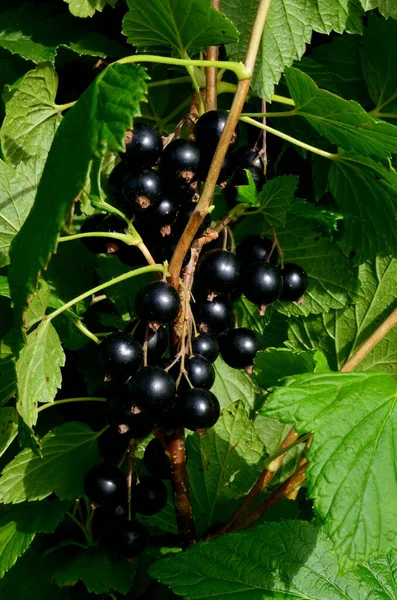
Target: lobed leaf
column 233, row 384
column 276, row 197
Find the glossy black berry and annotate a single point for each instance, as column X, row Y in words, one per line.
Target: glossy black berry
column 256, row 248
column 127, row 538
column 149, row 495
column 239, row 347
column 200, row 372
column 143, row 146
column 219, row 271
column 153, row 390
column 157, row 341
column 240, row 177
column 214, row 316
column 100, row 223
column 155, row 460
column 127, row 419
column 245, row 156
column 120, row 353
column 166, row 212
column 130, row 255
column 105, row 485
column 209, row 128
column 157, row 302
column 180, row 161
column 207, row 346
column 295, row 281
column 142, row 190
column 262, row 283
column 105, row 518
column 199, row 409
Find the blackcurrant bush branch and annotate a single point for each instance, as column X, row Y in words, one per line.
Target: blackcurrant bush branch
column 69, row 400
column 211, row 72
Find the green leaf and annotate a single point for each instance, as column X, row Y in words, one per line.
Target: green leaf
column 39, row 371
column 31, row 120
column 19, row 525
column 340, row 333
column 379, row 68
column 328, row 218
column 351, row 475
column 68, row 452
column 275, row 363
column 368, row 191
column 8, row 427
column 38, row 304
column 16, row 198
column 87, row 8
column 290, row 559
column 287, row 30
column 387, row 8
column 100, row 571
column 107, row 109
column 35, row 31
column 332, row 277
column 232, row 385
column 248, row 316
column 248, row 194
column 190, row 25
column 223, row 465
column 342, row 122
column 276, row 197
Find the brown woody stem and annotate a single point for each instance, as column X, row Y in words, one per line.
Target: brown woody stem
column 212, row 72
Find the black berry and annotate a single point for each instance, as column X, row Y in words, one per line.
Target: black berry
column 200, row 372
column 180, row 161
column 128, row 419
column 157, row 302
column 105, row 518
column 239, row 347
column 295, row 281
column 120, row 353
column 245, row 157
column 199, row 409
column 130, row 255
column 153, row 390
column 207, row 346
column 127, row 538
column 143, row 146
column 100, row 223
column 219, row 271
column 214, row 316
column 105, row 485
column 149, row 495
column 256, row 248
column 142, row 190
column 157, row 341
column 209, row 128
column 262, row 283
column 155, row 459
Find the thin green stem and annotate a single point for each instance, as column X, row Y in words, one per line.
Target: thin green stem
column 85, row 331
column 103, row 286
column 81, row 526
column 286, row 113
column 127, row 239
column 383, row 115
column 238, row 68
column 70, row 400
column 62, row 107
column 176, row 80
column 290, row 139
column 281, row 451
column 283, row 100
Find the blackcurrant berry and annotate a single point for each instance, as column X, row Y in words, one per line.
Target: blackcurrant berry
column 143, row 146
column 214, row 316
column 207, row 346
column 157, row 302
column 156, row 461
column 153, row 390
column 239, row 347
column 99, row 223
column 262, row 283
column 205, row 164
column 199, row 408
column 117, row 177
column 240, row 177
column 180, row 161
column 209, row 128
column 127, row 538
column 130, row 255
column 295, row 281
column 112, row 446
column 128, row 419
column 149, row 495
column 219, row 271
column 120, row 353
column 142, row 190
column 245, row 156
column 105, row 518
column 166, row 212
column 256, row 248
column 200, row 372
column 157, row 341
column 105, row 485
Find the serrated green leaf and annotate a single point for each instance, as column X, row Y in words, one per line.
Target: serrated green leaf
column 19, row 525
column 247, row 194
column 35, row 31
column 351, row 474
column 367, row 191
column 342, row 122
column 332, row 276
column 31, row 120
column 275, row 363
column 276, row 197
column 8, row 427
column 107, row 109
column 38, row 304
column 232, row 385
column 8, row 376
column 248, row 316
column 185, row 25
column 16, row 198
column 100, row 571
column 71, row 272
column 38, row 371
column 387, row 8
column 340, row 333
column 68, row 452
column 223, row 465
column 328, row 218
column 87, row 8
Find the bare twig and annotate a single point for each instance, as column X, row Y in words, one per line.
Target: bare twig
column 212, row 72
